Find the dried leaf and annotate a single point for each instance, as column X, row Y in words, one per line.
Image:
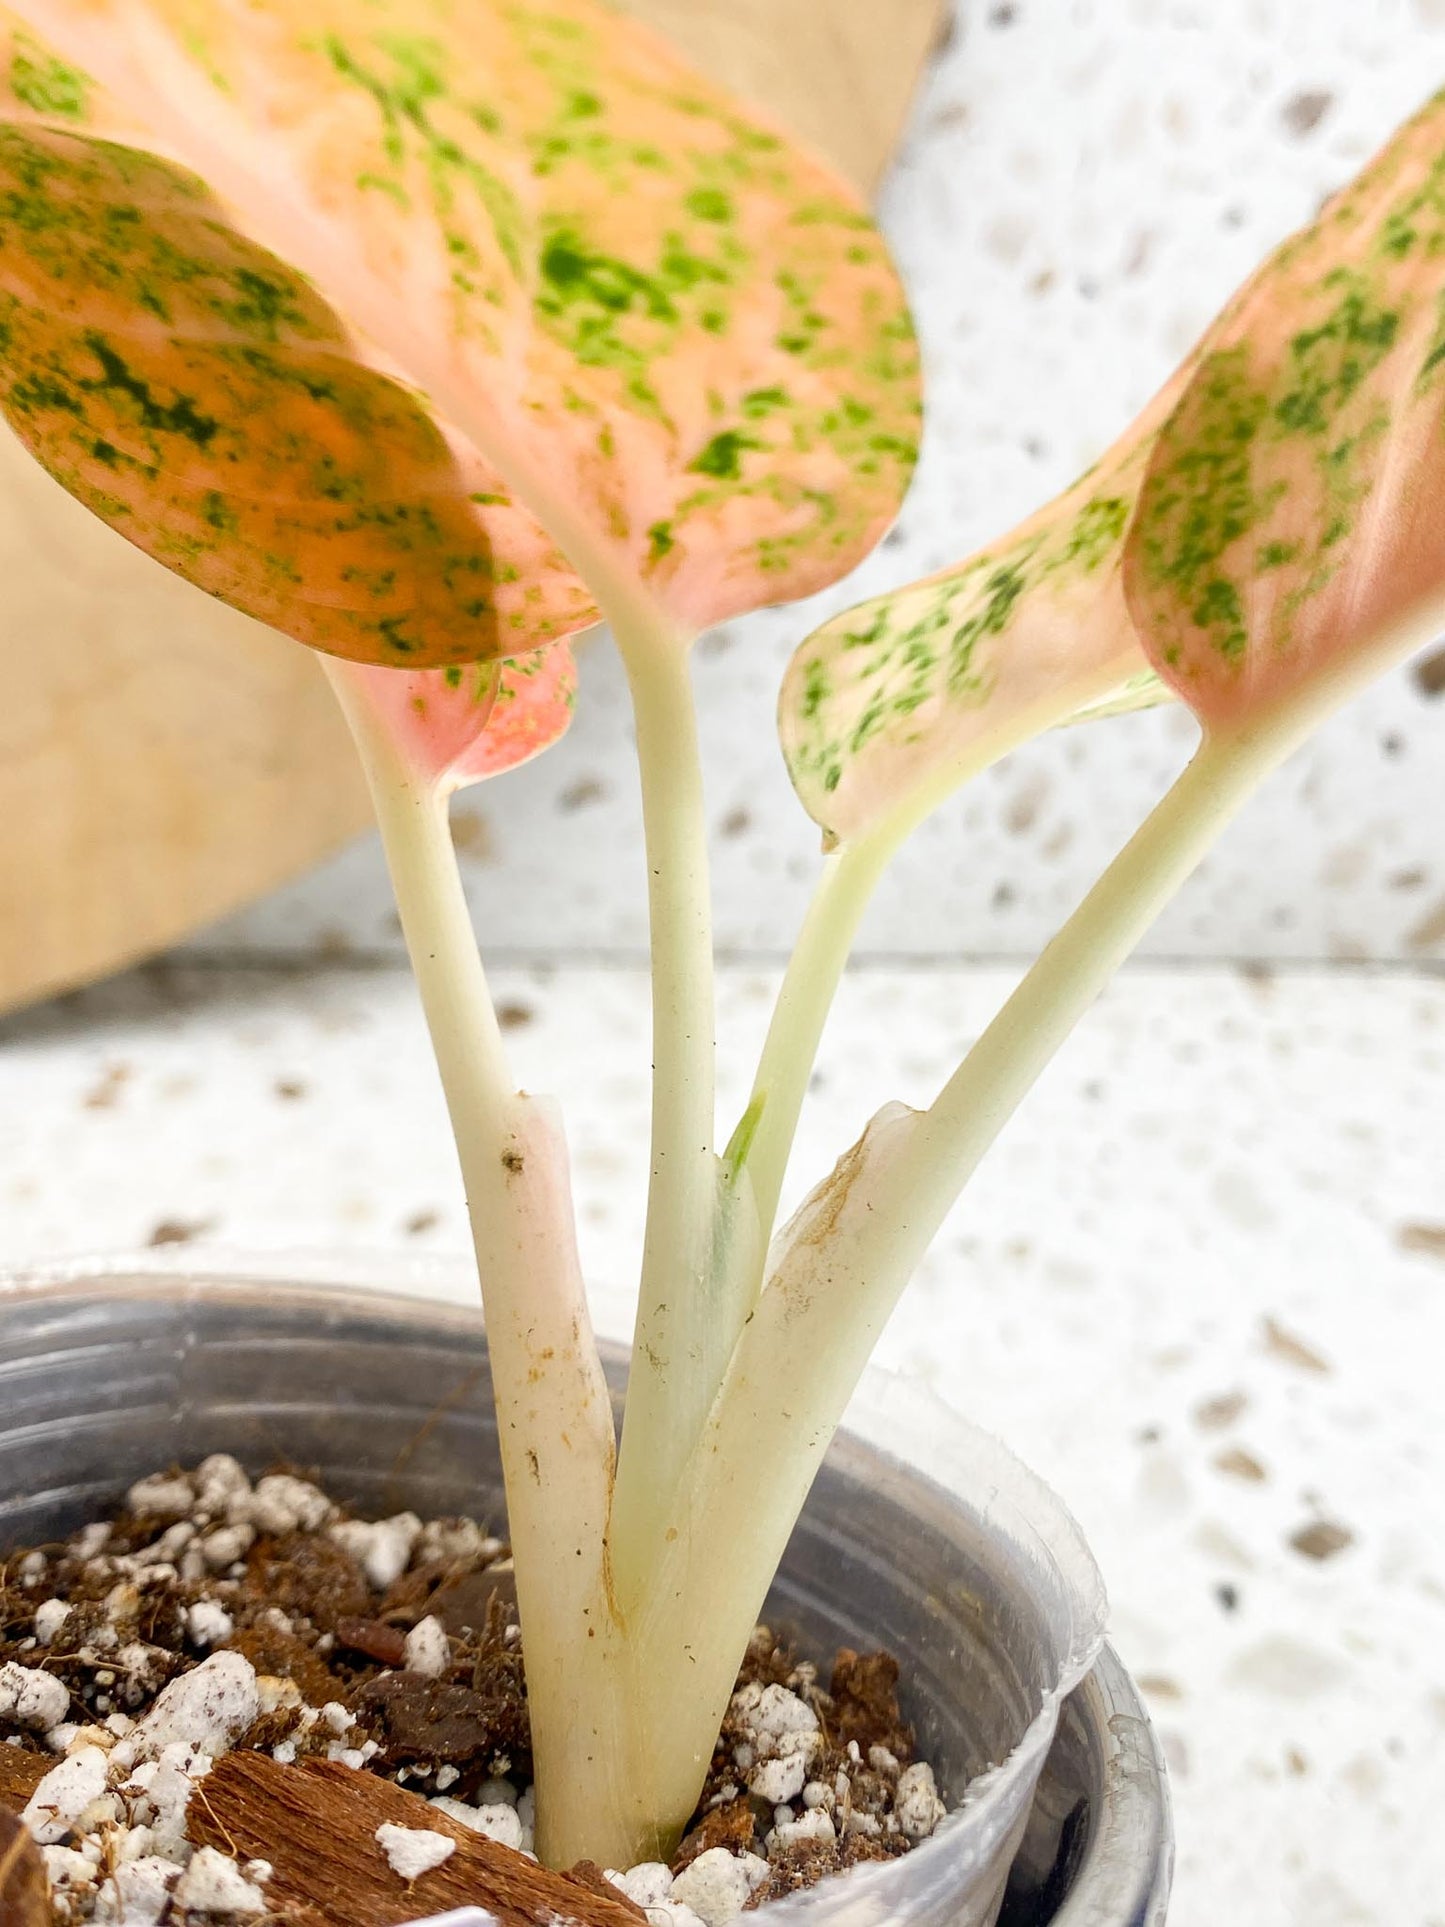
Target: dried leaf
column 678, row 342
column 1289, row 518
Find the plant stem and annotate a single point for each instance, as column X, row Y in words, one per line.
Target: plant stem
column 809, row 986
column 852, row 1247
column 678, row 1354
column 554, row 1414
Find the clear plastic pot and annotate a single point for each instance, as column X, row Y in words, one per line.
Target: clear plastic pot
column 921, row 1535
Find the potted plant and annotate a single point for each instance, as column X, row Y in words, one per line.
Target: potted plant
column 431, row 334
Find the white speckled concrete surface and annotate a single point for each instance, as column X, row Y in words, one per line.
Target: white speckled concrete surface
column 1200, row 1285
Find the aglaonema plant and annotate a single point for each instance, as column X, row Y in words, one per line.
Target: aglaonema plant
column 429, row 333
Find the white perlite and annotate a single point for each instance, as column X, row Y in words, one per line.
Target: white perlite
column 813, row 1825
column 498, row 1822
column 50, row 1616
column 64, row 1794
column 226, row 1545
column 717, row 1884
column 427, row 1648
column 208, row 1707
column 915, row 1801
column 672, row 1913
column 648, row 1884
column 138, row 1892
column 161, row 1498
column 280, row 1504
column 32, row 1698
column 382, row 1549
column 212, row 1884
column 413, row 1851
column 781, row 1739
column 208, row 1623
column 218, row 1480
column 778, row 1781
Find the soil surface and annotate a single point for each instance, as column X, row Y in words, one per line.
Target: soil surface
column 214, row 1617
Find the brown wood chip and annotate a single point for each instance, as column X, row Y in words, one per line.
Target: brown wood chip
column 316, row 1823
column 731, row 1825
column 24, row 1888
column 374, row 1638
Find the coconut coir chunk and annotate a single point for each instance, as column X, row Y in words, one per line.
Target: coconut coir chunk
column 316, row 1823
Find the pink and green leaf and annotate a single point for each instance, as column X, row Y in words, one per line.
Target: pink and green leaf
column 887, row 708
column 1290, row 519
column 464, row 723
column 202, row 398
column 678, row 341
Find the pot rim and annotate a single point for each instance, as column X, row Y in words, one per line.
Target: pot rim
column 887, row 1418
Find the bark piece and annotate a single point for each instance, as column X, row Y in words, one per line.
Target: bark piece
column 434, row 1721
column 374, row 1638
column 24, row 1888
column 463, row 1604
column 316, row 1823
column 731, row 1825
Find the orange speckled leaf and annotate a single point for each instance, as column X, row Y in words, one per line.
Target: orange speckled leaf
column 1291, row 516
column 887, row 708
column 679, row 340
column 463, row 724
column 200, row 397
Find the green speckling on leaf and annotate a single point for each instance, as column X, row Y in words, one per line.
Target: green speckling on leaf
column 759, row 402
column 816, row 687
column 47, row 85
column 722, row 458
column 1097, row 528
column 660, row 541
column 1203, row 499
column 709, row 204
column 218, row 513
column 1220, row 611
column 1329, row 361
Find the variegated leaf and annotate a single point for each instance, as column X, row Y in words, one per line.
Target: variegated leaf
column 200, row 396
column 467, row 722
column 889, row 707
column 679, row 341
column 1291, row 514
